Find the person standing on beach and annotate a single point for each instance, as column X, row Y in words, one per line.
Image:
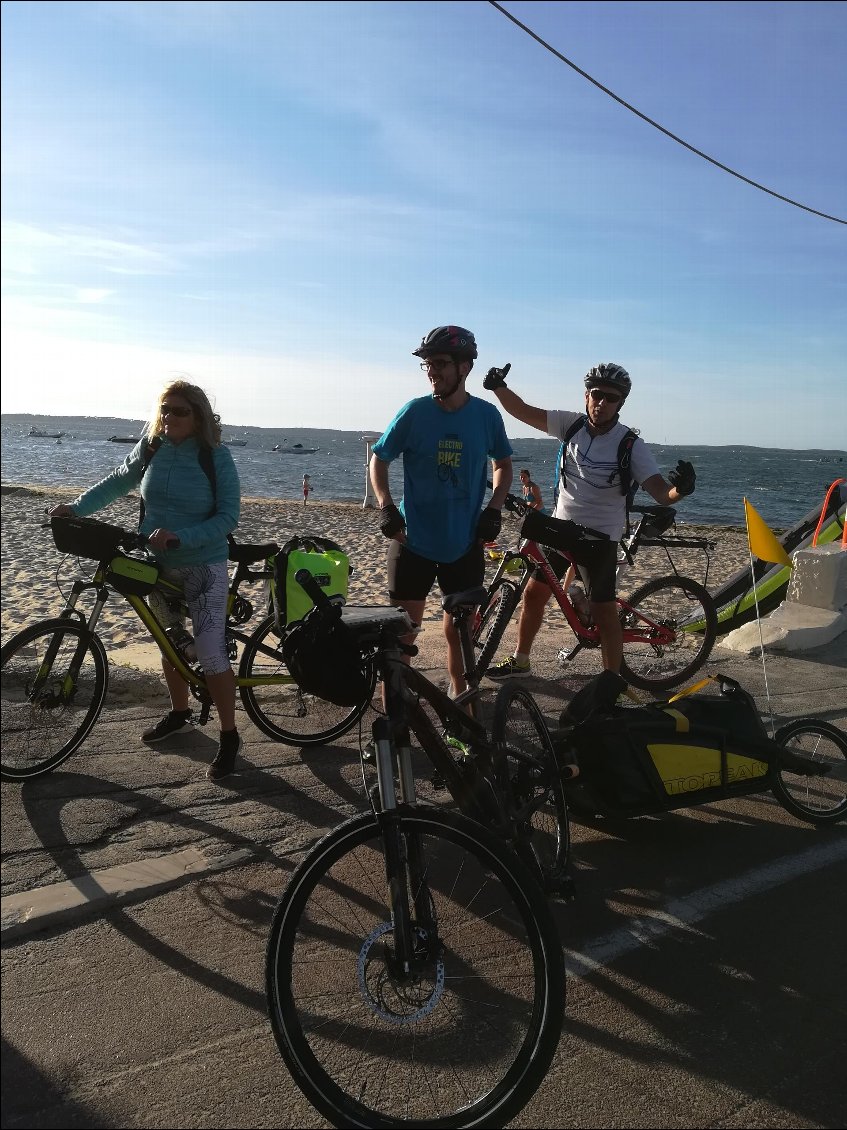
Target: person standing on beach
column 186, row 519
column 589, row 493
column 307, row 488
column 446, row 440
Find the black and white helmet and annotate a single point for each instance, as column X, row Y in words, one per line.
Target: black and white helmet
column 455, row 340
column 610, row 375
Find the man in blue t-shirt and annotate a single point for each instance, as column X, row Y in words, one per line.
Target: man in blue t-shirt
column 446, row 440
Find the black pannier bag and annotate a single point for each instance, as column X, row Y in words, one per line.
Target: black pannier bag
column 321, row 653
column 669, row 755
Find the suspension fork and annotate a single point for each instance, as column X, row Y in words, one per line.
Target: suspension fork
column 69, row 677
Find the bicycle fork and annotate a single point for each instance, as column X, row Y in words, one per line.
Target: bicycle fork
column 66, row 687
column 412, row 918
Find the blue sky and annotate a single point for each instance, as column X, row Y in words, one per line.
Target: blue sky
column 280, row 200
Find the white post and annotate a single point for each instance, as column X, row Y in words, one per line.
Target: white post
column 370, row 501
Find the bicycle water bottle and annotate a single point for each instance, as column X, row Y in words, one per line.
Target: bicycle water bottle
column 183, row 641
column 581, row 604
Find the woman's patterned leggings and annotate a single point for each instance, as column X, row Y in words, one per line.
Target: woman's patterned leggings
column 206, row 588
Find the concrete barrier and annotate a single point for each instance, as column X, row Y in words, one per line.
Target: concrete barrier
column 814, row 612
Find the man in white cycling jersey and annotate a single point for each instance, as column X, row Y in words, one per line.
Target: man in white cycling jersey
column 590, row 492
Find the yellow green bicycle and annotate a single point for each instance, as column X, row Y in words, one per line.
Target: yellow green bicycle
column 55, row 673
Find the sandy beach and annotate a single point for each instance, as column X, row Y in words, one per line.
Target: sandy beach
column 35, row 575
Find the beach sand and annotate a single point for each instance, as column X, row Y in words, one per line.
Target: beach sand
column 35, row 576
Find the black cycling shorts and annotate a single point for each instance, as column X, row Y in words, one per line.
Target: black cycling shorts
column 410, row 576
column 596, row 563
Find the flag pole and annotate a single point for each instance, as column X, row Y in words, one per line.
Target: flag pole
column 758, row 616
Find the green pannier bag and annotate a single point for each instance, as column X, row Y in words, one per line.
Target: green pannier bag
column 325, row 560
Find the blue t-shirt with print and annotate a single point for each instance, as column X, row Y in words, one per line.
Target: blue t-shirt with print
column 445, row 468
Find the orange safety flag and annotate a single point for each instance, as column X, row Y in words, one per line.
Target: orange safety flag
column 761, row 539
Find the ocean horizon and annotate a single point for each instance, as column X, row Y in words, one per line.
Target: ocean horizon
column 783, row 484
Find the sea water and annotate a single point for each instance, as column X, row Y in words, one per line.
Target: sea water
column 782, row 484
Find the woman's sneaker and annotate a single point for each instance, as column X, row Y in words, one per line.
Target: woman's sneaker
column 174, row 722
column 508, row 668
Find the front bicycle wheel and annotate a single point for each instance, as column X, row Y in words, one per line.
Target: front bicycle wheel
column 537, row 794
column 461, row 1036
column 494, row 620
column 280, row 709
column 54, row 680
column 688, row 611
column 819, row 799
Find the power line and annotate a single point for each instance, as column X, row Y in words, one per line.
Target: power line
column 656, row 125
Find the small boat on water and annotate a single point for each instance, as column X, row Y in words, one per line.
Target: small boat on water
column 39, row 433
column 235, row 442
column 295, row 449
column 123, row 439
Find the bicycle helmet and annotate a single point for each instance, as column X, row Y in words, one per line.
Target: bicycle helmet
column 610, row 375
column 459, row 343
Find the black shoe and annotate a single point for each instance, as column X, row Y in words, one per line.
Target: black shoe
column 228, row 750
column 174, row 722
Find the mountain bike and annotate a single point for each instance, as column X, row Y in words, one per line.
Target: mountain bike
column 55, row 673
column 669, row 624
column 414, row 973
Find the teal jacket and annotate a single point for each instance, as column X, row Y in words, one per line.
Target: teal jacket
column 177, row 496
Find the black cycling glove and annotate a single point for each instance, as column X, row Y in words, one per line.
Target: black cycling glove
column 488, row 526
column 391, row 521
column 496, row 378
column 683, row 478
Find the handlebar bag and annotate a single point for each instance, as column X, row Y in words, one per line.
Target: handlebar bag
column 322, row 655
column 557, row 533
column 86, row 537
column 324, row 559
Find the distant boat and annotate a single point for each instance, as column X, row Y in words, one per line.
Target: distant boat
column 123, row 439
column 39, row 433
column 295, row 449
column 235, row 442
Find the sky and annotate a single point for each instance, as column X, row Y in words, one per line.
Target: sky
column 279, row 200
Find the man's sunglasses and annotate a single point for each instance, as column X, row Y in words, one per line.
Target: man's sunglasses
column 599, row 394
column 436, row 364
column 174, row 410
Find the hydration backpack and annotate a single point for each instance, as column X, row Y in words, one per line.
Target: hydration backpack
column 627, row 483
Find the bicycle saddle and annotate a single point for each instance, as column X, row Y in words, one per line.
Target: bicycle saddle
column 471, row 597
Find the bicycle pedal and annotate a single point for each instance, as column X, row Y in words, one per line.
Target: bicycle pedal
column 438, row 783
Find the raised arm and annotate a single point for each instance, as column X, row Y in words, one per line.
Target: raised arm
column 495, row 380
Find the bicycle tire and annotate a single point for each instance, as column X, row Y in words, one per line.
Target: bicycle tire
column 282, row 711
column 819, row 799
column 672, row 602
column 499, row 608
column 535, row 781
column 487, row 998
column 39, row 731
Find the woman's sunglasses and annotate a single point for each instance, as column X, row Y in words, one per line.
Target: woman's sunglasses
column 598, row 394
column 174, row 410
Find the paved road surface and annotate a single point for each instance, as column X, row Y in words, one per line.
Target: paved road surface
column 706, row 953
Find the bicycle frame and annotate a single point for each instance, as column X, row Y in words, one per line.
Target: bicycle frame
column 193, row 677
column 535, row 560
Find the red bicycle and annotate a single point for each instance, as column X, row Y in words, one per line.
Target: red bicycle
column 669, row 624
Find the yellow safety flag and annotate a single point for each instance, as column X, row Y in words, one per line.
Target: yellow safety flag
column 761, row 539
